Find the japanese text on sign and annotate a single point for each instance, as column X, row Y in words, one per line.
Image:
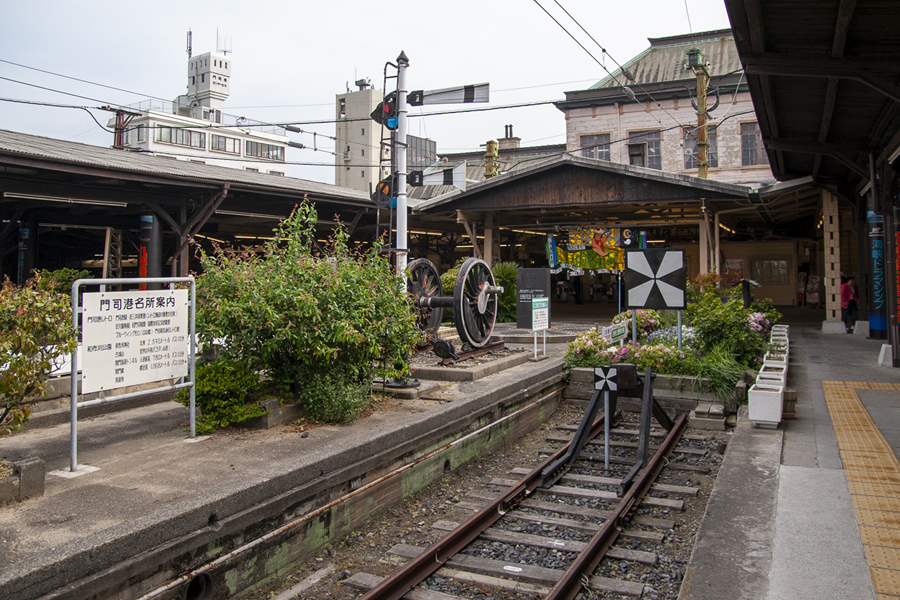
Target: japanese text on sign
column 130, row 338
column 540, row 314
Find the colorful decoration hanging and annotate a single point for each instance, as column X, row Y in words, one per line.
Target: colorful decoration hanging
column 588, row 248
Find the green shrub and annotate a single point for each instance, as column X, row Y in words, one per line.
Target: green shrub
column 224, row 394
column 332, row 398
column 61, row 280
column 723, row 371
column 35, row 330
column 298, row 316
column 505, row 275
column 718, row 324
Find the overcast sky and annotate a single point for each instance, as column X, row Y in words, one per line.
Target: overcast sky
column 290, row 58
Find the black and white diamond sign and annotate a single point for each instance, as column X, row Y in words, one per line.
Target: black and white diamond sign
column 655, row 279
column 605, row 379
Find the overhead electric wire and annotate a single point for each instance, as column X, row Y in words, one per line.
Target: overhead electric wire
column 40, row 87
column 9, row 62
column 603, row 66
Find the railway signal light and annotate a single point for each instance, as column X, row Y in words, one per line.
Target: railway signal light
column 386, row 112
column 385, row 193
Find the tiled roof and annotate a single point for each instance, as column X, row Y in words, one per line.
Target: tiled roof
column 664, row 59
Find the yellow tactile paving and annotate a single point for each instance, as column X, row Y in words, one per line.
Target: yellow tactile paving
column 875, row 489
column 886, row 581
column 871, row 502
column 873, row 476
column 879, row 518
column 882, row 558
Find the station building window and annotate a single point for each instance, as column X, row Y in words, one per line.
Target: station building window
column 692, row 151
column 595, row 146
column 644, row 149
column 752, row 150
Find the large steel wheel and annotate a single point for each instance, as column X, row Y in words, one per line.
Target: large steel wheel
column 423, row 281
column 475, row 302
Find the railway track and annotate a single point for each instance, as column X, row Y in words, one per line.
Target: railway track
column 576, row 538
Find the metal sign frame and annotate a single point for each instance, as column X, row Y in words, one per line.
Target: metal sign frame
column 77, row 310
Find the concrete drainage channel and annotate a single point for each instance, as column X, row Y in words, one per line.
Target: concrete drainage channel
column 244, row 544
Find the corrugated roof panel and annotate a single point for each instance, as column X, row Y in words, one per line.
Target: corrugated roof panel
column 75, row 153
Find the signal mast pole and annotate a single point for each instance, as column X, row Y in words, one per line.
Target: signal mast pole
column 402, row 235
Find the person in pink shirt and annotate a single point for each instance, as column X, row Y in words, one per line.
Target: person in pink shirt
column 849, row 303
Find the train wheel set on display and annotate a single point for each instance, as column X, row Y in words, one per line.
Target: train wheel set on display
column 474, row 303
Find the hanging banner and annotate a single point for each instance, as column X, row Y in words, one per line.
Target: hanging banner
column 734, row 270
column 552, row 259
column 878, row 285
column 589, row 248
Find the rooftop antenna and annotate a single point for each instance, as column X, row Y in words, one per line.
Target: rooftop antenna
column 189, row 44
column 223, row 44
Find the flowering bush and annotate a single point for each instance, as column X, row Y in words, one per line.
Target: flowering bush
column 729, row 324
column 659, row 357
column 35, row 330
column 759, row 323
column 669, row 337
column 647, row 321
column 586, row 349
column 590, row 350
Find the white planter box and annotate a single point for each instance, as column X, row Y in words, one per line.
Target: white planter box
column 783, row 329
column 776, row 360
column 772, row 379
column 765, row 404
column 776, row 372
column 779, row 339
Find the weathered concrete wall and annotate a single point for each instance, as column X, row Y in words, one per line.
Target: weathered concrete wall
column 622, row 119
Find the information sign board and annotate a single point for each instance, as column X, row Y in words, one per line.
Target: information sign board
column 615, row 333
column 530, row 283
column 540, row 314
column 131, row 338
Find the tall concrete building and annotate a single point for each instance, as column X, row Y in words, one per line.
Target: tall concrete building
column 196, row 128
column 358, row 150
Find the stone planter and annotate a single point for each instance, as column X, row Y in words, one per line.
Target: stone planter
column 25, row 481
column 779, row 338
column 765, row 405
column 773, row 374
column 776, row 359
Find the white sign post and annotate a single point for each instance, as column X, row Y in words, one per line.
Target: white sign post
column 540, row 320
column 132, row 338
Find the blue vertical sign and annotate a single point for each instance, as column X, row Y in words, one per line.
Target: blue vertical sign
column 878, row 282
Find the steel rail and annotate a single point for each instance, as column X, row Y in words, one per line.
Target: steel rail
column 572, row 581
column 416, row 570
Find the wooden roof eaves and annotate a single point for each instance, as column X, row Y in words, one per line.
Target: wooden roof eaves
column 725, row 190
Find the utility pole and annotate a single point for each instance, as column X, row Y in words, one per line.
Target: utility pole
column 123, row 118
column 695, row 62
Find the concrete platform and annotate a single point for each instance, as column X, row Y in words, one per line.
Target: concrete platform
column 156, row 505
column 796, row 512
column 806, row 511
